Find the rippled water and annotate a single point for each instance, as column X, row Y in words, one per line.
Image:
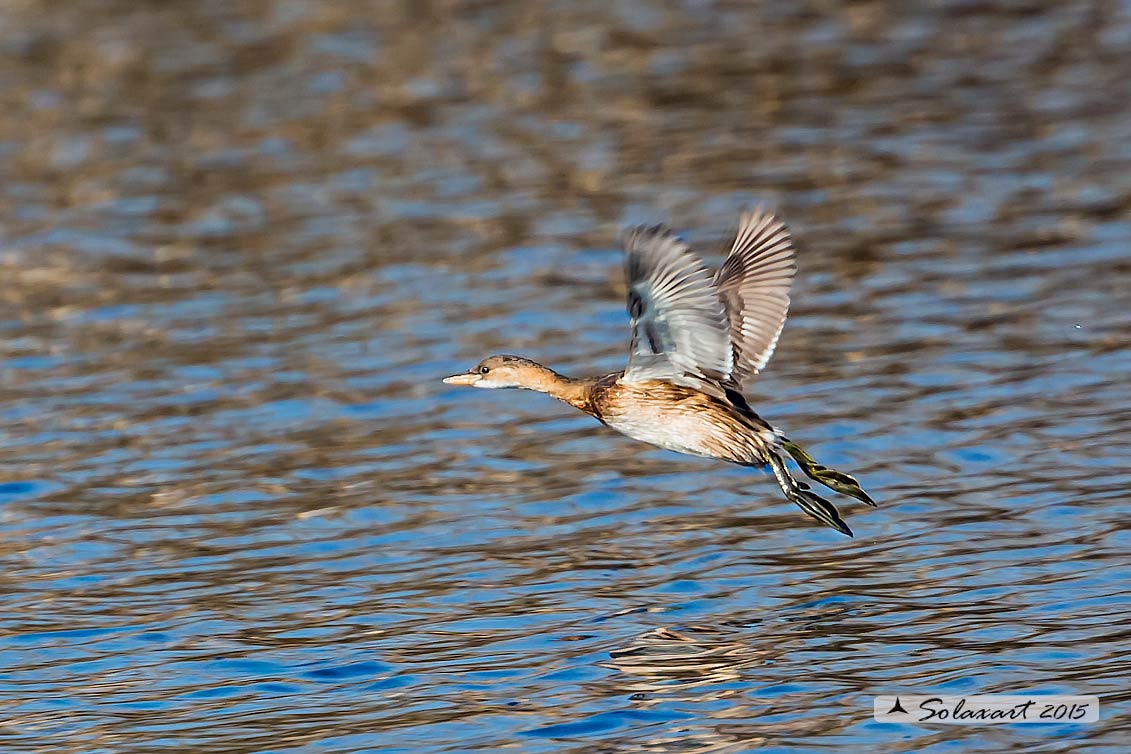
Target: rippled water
column 241, row 243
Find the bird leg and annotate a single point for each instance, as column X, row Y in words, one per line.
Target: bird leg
column 799, row 494
column 835, row 480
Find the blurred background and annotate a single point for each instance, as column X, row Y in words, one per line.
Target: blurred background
column 240, row 242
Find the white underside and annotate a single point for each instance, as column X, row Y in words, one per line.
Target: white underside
column 681, row 433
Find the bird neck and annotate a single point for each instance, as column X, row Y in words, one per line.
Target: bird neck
column 566, row 389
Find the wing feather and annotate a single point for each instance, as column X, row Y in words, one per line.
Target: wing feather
column 754, row 285
column 680, row 330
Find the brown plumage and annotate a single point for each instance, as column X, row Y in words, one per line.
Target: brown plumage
column 695, row 338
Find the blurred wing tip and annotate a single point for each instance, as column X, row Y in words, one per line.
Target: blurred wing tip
column 759, row 213
column 643, row 233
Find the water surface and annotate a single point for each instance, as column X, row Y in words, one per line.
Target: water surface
column 241, row 243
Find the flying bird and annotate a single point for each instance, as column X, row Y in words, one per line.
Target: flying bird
column 697, row 336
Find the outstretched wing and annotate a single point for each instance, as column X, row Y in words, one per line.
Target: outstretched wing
column 754, row 285
column 680, row 331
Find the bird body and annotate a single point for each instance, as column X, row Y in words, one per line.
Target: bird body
column 696, row 336
column 683, row 419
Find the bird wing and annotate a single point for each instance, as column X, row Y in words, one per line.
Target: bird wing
column 754, row 285
column 680, row 331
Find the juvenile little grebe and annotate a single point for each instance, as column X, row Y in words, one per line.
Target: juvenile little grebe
column 695, row 338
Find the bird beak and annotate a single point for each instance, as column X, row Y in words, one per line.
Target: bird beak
column 466, row 378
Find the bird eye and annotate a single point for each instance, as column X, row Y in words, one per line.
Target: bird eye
column 484, row 370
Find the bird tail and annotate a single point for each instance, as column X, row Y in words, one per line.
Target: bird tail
column 798, row 493
column 835, row 480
